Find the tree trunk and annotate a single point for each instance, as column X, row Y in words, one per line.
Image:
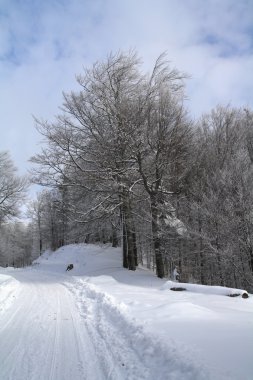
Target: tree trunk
column 218, row 254
column 156, row 239
column 201, row 255
column 135, row 247
column 115, row 242
column 124, row 240
column 40, row 235
column 128, row 240
column 40, row 246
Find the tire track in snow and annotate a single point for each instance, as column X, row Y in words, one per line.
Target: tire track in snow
column 123, row 349
column 12, row 329
column 46, row 338
column 55, row 342
column 81, row 367
column 50, row 339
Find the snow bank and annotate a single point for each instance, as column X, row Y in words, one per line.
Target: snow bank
column 9, row 288
column 205, row 289
column 87, row 259
column 126, row 350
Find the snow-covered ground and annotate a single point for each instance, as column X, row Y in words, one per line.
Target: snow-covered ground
column 101, row 322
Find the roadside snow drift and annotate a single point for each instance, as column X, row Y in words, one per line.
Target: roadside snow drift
column 99, row 321
column 218, row 290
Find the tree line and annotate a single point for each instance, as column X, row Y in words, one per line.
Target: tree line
column 124, row 163
column 14, row 241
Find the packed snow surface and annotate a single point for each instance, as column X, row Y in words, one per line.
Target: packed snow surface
column 102, row 322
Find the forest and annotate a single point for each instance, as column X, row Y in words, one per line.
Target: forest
column 124, row 163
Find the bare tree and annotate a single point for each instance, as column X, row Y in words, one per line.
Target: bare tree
column 220, row 198
column 123, row 135
column 88, row 145
column 162, row 149
column 15, row 244
column 12, row 188
column 48, row 221
column 123, row 149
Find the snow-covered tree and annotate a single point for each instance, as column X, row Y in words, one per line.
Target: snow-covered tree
column 126, row 163
column 12, row 188
column 15, row 244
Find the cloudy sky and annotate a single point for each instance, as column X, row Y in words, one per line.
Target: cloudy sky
column 44, row 44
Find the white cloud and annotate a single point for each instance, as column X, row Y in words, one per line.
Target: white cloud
column 44, row 44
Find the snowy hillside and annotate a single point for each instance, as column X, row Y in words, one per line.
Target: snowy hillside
column 99, row 321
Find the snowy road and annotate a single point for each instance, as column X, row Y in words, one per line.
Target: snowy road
column 42, row 335
column 52, row 332
column 60, row 329
column 101, row 322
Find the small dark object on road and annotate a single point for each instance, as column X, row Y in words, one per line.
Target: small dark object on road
column 69, row 267
column 178, row 289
